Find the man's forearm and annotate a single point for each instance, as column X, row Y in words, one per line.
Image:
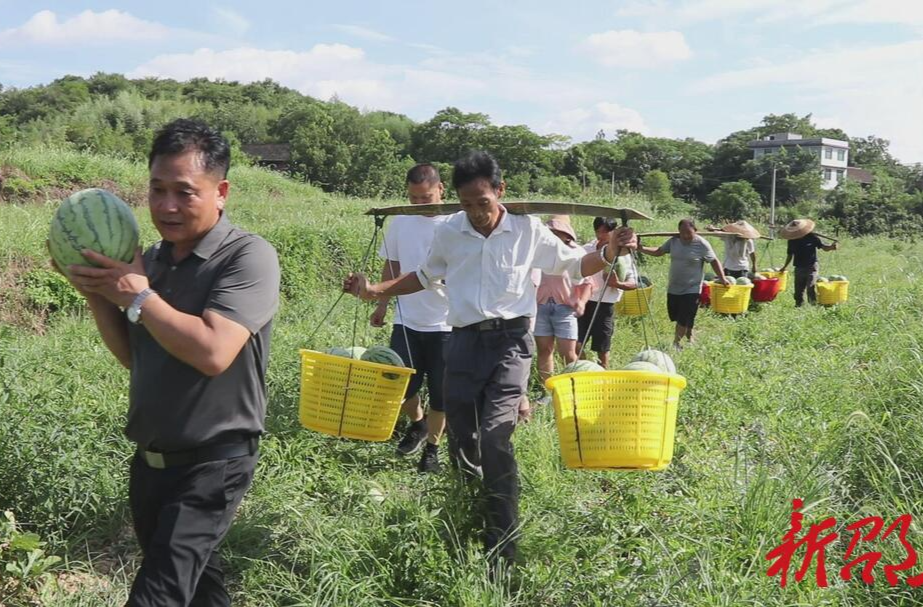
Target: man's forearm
column 405, row 284
column 113, row 328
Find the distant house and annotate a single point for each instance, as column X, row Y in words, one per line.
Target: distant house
column 276, row 156
column 832, row 153
column 859, row 175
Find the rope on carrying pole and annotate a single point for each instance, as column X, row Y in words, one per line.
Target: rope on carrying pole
column 397, row 300
column 379, row 222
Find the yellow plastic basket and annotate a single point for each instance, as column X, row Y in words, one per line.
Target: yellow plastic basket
column 350, row 398
column 782, row 276
column 616, row 420
column 636, row 302
column 730, row 300
column 832, row 293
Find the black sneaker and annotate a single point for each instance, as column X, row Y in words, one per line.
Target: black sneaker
column 430, row 460
column 413, row 440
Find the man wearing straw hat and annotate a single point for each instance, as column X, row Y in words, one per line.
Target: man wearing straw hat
column 802, row 248
column 485, row 255
column 739, row 249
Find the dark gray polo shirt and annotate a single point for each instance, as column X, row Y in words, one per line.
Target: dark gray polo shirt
column 173, row 406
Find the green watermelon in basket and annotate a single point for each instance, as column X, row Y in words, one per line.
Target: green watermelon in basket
column 660, row 359
column 641, row 365
column 385, row 356
column 354, row 352
column 581, row 366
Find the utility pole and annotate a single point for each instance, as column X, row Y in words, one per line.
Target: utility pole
column 613, row 184
column 772, row 205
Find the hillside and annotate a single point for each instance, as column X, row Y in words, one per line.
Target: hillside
column 782, row 403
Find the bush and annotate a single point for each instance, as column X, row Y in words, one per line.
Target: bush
column 732, row 201
column 23, row 562
column 48, row 291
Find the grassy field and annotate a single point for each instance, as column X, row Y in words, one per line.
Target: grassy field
column 817, row 403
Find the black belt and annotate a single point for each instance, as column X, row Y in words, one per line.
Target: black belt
column 199, row 455
column 497, row 324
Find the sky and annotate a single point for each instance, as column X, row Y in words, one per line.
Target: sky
column 684, row 68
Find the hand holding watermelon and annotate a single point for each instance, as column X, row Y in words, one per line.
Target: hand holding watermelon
column 117, row 281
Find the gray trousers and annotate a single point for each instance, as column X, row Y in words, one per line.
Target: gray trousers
column 487, row 373
column 806, row 279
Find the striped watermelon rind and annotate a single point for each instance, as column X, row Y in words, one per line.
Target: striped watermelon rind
column 642, row 365
column 92, row 219
column 581, row 366
column 385, row 356
column 661, row 359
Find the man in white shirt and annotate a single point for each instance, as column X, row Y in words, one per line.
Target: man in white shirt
column 485, row 255
column 420, row 331
column 597, row 320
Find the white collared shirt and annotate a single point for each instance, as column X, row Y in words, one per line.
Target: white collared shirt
column 407, row 242
column 491, row 277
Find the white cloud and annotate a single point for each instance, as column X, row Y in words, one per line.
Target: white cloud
column 364, row 33
column 630, row 48
column 231, row 20
column 810, row 14
column 872, row 90
column 584, row 122
column 89, row 28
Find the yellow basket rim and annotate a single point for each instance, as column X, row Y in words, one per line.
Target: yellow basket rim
column 718, row 285
column 361, row 363
column 679, row 380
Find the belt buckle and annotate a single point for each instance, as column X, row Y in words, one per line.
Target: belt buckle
column 154, row 460
column 490, row 324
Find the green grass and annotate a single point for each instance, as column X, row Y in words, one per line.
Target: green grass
column 823, row 404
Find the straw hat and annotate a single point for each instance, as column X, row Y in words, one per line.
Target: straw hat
column 796, row 228
column 742, row 229
column 561, row 223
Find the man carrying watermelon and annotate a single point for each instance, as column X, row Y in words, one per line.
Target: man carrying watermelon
column 485, row 254
column 420, row 332
column 198, row 309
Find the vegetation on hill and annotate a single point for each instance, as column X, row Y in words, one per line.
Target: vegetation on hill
column 341, row 149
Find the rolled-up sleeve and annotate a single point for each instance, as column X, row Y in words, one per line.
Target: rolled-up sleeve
column 552, row 256
column 433, row 270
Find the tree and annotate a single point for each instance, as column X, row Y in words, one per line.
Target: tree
column 732, row 201
column 656, row 188
column 448, row 135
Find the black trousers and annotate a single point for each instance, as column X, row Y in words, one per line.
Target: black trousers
column 181, row 515
column 806, row 280
column 487, row 372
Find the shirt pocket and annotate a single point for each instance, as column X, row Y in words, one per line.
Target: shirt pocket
column 514, row 280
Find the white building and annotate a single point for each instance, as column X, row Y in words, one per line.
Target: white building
column 833, row 153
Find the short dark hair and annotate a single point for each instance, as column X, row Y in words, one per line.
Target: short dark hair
column 476, row 165
column 599, row 222
column 183, row 135
column 424, row 172
column 689, row 221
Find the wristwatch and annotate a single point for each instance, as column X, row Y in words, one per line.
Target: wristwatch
column 133, row 312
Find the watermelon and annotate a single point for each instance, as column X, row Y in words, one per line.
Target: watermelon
column 743, row 280
column 822, row 279
column 92, row 219
column 641, row 365
column 581, row 366
column 355, row 352
column 385, row 356
column 644, row 281
column 661, row 359
column 731, row 280
column 838, row 278
column 709, row 277
column 758, row 276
